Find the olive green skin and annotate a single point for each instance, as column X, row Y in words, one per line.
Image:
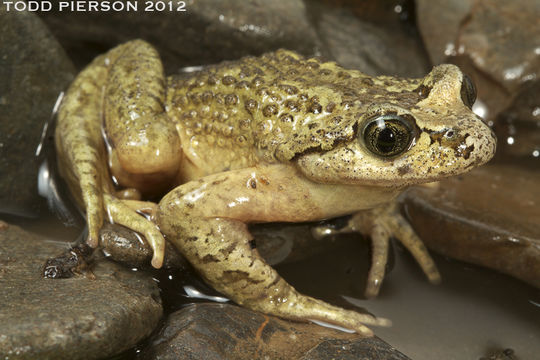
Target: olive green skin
column 262, row 139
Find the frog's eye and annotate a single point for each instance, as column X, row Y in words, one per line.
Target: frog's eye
column 468, row 91
column 388, row 135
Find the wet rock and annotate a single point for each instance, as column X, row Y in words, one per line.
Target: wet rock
column 518, row 127
column 33, row 71
column 488, row 217
column 506, row 354
column 126, row 246
column 495, row 41
column 439, row 22
column 208, row 32
column 373, row 48
column 76, row 318
column 221, row 331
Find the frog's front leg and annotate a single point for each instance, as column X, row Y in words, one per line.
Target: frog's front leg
column 382, row 223
column 206, row 220
column 119, row 95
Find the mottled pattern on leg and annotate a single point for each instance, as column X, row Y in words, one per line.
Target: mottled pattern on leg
column 219, row 248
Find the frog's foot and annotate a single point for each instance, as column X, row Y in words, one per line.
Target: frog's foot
column 128, row 214
column 382, row 223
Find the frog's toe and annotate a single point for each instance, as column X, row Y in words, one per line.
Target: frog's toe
column 122, row 212
column 307, row 308
column 403, row 231
column 379, row 246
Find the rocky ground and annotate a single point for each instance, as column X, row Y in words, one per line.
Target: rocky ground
column 488, row 217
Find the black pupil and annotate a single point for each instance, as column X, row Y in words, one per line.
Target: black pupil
column 386, row 140
column 468, row 91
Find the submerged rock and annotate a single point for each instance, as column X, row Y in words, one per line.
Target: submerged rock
column 102, row 314
column 488, row 217
column 221, row 331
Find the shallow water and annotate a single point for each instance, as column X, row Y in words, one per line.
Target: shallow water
column 474, row 310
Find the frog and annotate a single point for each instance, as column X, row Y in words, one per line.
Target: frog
column 194, row 158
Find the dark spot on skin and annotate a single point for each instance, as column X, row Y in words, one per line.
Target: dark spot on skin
column 466, row 152
column 209, row 259
column 231, row 99
column 250, row 106
column 289, row 89
column 330, row 107
column 234, row 276
column 228, row 80
column 190, row 205
column 292, row 72
column 253, row 183
column 229, row 249
column 402, row 170
column 286, row 118
column 192, row 239
column 312, row 65
column 314, row 107
column 337, row 119
column 312, row 126
column 422, row 91
column 325, row 72
column 212, row 80
column 292, row 105
column 270, row 110
column 347, row 105
column 242, row 85
column 367, row 82
column 273, row 283
column 257, row 81
column 264, row 180
column 207, row 97
column 220, row 181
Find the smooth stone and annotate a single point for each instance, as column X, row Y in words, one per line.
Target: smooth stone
column 356, row 41
column 223, row 331
column 86, row 317
column 439, row 22
column 488, row 217
column 495, row 42
column 33, row 71
column 131, row 249
column 518, row 126
column 208, row 32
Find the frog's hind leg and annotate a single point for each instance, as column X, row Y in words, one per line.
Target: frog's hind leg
column 99, row 93
column 206, row 219
column 79, row 144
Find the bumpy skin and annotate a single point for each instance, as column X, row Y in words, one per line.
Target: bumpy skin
column 274, row 138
